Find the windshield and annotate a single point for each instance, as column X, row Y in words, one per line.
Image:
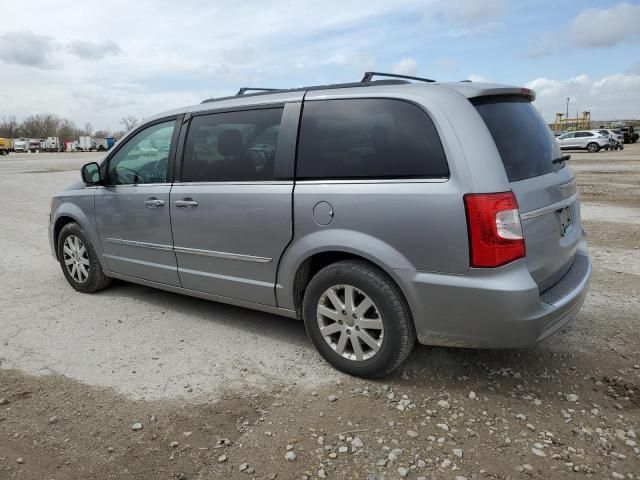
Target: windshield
column 525, row 143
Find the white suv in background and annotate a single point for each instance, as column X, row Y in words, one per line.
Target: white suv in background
column 590, row 140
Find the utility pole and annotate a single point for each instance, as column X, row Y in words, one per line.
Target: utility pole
column 567, row 117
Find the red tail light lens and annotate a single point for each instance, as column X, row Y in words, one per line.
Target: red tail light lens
column 495, row 232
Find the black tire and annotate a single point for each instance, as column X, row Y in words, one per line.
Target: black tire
column 96, row 279
column 593, row 147
column 399, row 333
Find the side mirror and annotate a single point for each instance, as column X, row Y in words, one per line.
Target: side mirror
column 91, row 173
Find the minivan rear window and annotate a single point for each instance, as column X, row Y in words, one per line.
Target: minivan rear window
column 525, row 142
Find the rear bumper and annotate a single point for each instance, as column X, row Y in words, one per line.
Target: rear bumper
column 494, row 308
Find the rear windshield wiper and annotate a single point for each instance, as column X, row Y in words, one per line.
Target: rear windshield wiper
column 563, row 158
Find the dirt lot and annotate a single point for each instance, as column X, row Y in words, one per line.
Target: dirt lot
column 222, row 392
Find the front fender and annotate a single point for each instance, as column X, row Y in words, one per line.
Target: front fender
column 79, row 208
column 353, row 242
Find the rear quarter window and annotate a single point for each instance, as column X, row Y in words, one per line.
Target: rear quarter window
column 368, row 138
column 525, row 142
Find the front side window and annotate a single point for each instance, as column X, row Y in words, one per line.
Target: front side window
column 368, row 138
column 144, row 158
column 232, row 146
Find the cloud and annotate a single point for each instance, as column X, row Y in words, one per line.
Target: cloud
column 27, row 49
column 610, row 97
column 477, row 78
column 93, row 50
column 473, row 12
column 406, row 66
column 598, row 27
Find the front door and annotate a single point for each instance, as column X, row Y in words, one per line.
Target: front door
column 132, row 209
column 231, row 209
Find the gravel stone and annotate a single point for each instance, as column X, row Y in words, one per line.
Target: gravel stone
column 290, row 456
column 136, row 427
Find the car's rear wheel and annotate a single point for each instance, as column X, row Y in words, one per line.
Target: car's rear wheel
column 79, row 260
column 593, row 147
column 357, row 319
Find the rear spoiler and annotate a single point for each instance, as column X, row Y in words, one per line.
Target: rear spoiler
column 473, row 90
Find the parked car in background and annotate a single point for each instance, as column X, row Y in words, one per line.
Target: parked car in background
column 589, row 140
column 6, row 146
column 616, row 137
column 381, row 213
column 630, row 135
column 557, row 133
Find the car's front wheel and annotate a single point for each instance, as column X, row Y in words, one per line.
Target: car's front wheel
column 357, row 319
column 79, row 260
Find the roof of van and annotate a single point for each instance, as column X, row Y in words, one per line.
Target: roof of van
column 400, row 85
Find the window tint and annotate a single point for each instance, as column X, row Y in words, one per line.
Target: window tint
column 368, row 138
column 144, row 157
column 232, row 146
column 525, row 143
column 584, row 134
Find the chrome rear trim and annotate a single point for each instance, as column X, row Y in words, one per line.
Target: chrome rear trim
column 549, row 208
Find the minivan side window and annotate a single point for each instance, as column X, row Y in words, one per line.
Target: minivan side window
column 144, row 157
column 232, row 146
column 368, row 138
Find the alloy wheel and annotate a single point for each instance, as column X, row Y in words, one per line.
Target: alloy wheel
column 350, row 322
column 76, row 258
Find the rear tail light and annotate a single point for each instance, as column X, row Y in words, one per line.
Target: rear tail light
column 495, row 231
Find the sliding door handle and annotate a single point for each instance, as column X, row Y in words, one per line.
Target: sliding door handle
column 185, row 203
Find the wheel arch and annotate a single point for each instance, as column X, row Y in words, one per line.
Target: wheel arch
column 69, row 213
column 309, row 255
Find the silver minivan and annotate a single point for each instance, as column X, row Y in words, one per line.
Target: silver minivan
column 379, row 212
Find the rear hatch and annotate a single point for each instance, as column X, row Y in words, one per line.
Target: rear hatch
column 546, row 191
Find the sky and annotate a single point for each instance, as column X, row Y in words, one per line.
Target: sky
column 98, row 61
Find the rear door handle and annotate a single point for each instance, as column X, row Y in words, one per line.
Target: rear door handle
column 154, row 203
column 185, row 203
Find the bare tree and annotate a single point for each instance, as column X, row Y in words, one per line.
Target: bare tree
column 40, row 125
column 88, row 128
column 129, row 122
column 9, row 127
column 67, row 130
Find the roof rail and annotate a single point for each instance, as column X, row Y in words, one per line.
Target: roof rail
column 368, row 76
column 243, row 90
column 268, row 91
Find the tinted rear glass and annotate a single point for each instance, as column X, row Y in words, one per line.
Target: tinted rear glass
column 368, row 138
column 524, row 140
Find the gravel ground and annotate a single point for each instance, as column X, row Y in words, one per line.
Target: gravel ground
column 137, row 383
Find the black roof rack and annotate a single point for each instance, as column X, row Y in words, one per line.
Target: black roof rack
column 243, row 90
column 365, row 82
column 369, row 75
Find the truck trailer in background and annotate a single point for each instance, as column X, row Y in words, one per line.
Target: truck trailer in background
column 21, row 145
column 52, row 144
column 6, row 146
column 86, row 143
column 104, row 144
